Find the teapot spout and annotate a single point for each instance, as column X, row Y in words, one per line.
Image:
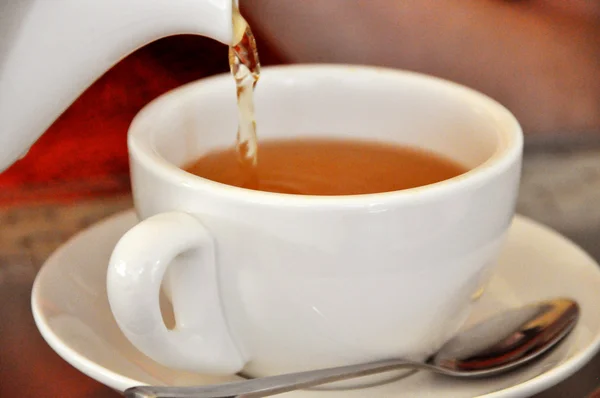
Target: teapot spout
column 51, row 51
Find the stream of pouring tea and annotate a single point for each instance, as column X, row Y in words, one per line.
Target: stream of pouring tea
column 245, row 68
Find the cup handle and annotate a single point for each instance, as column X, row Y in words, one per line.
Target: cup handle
column 200, row 341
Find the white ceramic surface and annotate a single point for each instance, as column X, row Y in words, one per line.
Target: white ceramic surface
column 51, row 51
column 71, row 310
column 277, row 283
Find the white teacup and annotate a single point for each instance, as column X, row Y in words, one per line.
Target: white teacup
column 272, row 283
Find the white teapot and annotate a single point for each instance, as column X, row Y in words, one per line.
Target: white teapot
column 52, row 50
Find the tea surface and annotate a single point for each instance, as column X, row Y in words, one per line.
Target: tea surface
column 328, row 167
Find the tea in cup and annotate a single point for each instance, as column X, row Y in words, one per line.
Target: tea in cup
column 380, row 205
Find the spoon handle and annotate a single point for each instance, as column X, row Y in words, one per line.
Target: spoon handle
column 273, row 385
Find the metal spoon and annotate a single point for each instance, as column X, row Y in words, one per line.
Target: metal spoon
column 498, row 344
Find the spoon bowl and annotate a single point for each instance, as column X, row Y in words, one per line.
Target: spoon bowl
column 528, row 331
column 496, row 345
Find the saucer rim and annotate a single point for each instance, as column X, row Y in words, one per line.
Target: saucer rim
column 119, row 382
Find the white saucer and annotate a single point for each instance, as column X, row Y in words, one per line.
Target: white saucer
column 72, row 313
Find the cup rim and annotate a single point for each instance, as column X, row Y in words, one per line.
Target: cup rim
column 141, row 148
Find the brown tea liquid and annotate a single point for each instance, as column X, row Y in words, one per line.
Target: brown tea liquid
column 329, row 167
column 245, row 68
column 309, row 166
